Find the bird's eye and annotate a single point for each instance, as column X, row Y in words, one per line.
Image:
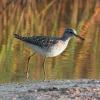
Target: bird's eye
column 71, row 32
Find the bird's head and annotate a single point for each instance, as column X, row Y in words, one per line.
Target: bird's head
column 69, row 32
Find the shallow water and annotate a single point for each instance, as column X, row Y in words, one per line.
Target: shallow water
column 49, row 17
column 79, row 60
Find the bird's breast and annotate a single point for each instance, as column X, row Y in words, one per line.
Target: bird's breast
column 57, row 49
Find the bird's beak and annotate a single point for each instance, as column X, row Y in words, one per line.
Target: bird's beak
column 79, row 37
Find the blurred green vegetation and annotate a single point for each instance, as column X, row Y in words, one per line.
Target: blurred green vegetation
column 49, row 17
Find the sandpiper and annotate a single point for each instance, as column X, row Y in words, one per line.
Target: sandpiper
column 49, row 46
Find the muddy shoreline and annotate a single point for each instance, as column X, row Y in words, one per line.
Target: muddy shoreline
column 51, row 90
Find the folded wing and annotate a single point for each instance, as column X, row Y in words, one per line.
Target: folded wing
column 41, row 41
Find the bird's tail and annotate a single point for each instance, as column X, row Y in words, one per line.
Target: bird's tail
column 19, row 37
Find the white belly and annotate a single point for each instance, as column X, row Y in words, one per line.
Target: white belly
column 51, row 51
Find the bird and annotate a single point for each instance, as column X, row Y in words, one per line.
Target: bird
column 48, row 46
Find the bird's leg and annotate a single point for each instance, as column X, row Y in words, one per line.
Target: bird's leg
column 44, row 68
column 27, row 66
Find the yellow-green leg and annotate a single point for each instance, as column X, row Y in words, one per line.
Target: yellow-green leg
column 44, row 68
column 27, row 66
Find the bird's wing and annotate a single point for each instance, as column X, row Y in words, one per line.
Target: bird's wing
column 41, row 41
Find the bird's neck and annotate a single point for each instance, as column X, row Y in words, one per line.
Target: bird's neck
column 65, row 37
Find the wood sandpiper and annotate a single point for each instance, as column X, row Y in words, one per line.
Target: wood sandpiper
column 48, row 46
